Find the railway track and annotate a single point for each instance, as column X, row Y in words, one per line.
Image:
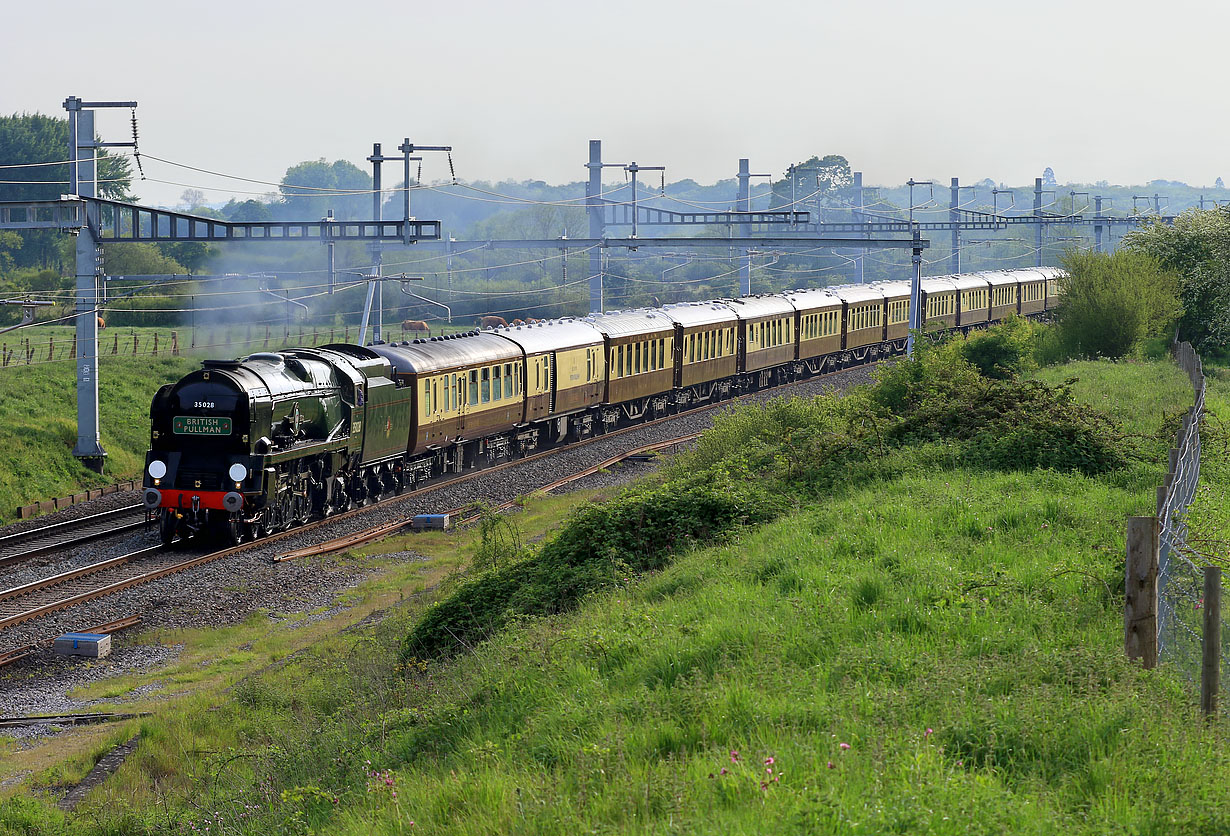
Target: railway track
column 115, row 575
column 23, row 545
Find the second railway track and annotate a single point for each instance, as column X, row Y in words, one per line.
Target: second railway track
column 46, row 539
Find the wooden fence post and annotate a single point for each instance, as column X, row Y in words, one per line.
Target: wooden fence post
column 51, row 348
column 115, row 346
column 155, row 342
column 175, row 342
column 1140, row 598
column 1210, row 663
column 72, row 355
column 266, row 336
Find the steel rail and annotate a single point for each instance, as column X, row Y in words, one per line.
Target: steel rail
column 13, row 547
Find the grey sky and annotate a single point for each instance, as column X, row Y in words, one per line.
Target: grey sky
column 1123, row 91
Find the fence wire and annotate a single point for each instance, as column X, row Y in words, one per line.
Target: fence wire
column 1182, row 555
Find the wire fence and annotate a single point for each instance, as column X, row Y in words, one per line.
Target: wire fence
column 32, row 352
column 1182, row 554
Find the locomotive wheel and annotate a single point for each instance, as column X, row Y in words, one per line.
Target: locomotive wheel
column 166, row 527
column 285, row 511
column 234, row 529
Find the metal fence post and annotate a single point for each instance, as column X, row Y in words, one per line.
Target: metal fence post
column 1140, row 604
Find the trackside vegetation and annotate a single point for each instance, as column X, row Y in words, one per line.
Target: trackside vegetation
column 842, row 615
column 757, row 463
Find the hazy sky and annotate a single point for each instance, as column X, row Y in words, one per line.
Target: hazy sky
column 1124, row 91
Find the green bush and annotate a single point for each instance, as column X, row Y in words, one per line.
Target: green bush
column 601, row 545
column 1004, row 350
column 1111, row 303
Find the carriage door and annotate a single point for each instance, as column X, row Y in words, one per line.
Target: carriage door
column 551, row 381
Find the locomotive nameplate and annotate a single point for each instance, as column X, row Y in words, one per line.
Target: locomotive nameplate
column 189, row 425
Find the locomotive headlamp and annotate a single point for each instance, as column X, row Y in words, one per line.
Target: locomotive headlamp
column 157, row 469
column 237, row 472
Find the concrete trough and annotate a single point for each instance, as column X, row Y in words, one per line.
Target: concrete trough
column 96, row 645
column 429, row 522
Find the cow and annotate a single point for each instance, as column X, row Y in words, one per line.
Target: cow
column 101, row 323
column 414, row 325
column 491, row 321
column 517, row 322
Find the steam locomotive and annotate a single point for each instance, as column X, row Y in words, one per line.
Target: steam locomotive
column 247, row 447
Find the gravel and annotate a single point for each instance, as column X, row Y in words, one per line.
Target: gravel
column 227, row 591
column 45, row 690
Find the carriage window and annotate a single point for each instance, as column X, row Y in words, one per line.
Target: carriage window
column 636, row 361
column 497, row 384
column 427, row 397
column 473, row 387
column 662, row 353
column 485, row 388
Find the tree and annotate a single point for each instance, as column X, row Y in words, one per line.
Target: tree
column 818, row 179
column 191, row 199
column 35, row 138
column 1197, row 247
column 310, row 189
column 252, row 211
column 1219, row 184
column 138, row 259
column 1110, row 303
column 1048, row 177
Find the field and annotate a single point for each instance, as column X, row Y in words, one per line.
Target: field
column 939, row 651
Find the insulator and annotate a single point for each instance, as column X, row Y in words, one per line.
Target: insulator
column 451, row 172
column 418, row 178
column 136, row 153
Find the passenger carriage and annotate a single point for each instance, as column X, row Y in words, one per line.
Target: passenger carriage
column 896, row 313
column 1005, row 294
column 467, row 386
column 765, row 338
column 1032, row 285
column 863, row 314
column 640, row 360
column 973, row 300
column 564, row 372
column 706, row 353
column 1052, row 275
column 818, row 324
column 939, row 304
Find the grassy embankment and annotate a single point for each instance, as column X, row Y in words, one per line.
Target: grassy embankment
column 932, row 645
column 38, row 425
